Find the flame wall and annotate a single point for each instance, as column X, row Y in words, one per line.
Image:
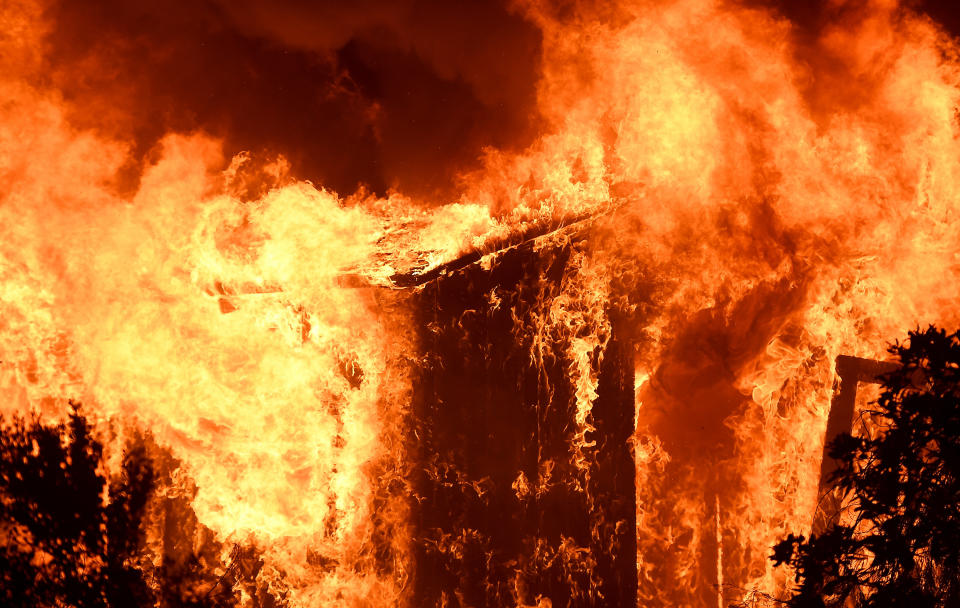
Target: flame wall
column 777, row 193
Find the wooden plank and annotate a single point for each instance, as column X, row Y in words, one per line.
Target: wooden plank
column 851, row 371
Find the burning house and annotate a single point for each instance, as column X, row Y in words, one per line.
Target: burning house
column 525, row 488
column 520, row 304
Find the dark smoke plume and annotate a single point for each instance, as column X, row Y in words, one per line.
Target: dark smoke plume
column 379, row 94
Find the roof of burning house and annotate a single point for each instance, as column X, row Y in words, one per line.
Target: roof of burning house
column 401, row 269
column 399, row 264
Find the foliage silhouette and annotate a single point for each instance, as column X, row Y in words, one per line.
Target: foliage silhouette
column 897, row 542
column 71, row 537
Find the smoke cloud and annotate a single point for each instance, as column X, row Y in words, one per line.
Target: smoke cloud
column 376, row 94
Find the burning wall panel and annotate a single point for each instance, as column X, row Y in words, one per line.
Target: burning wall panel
column 517, row 501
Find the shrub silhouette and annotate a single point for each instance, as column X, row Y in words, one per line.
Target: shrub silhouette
column 69, row 536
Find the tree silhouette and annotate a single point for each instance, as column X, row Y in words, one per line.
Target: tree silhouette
column 62, row 543
column 897, row 542
column 69, row 536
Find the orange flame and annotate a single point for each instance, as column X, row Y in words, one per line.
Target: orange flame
column 767, row 201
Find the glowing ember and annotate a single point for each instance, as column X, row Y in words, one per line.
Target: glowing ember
column 750, row 197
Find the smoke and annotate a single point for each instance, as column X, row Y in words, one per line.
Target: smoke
column 376, row 94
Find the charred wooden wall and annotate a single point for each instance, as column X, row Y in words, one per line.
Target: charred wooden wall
column 502, row 513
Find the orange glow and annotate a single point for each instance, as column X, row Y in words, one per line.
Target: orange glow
column 760, row 202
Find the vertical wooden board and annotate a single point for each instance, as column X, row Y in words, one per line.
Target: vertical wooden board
column 614, row 474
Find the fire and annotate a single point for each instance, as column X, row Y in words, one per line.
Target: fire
column 761, row 199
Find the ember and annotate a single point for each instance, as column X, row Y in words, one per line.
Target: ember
column 421, row 303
